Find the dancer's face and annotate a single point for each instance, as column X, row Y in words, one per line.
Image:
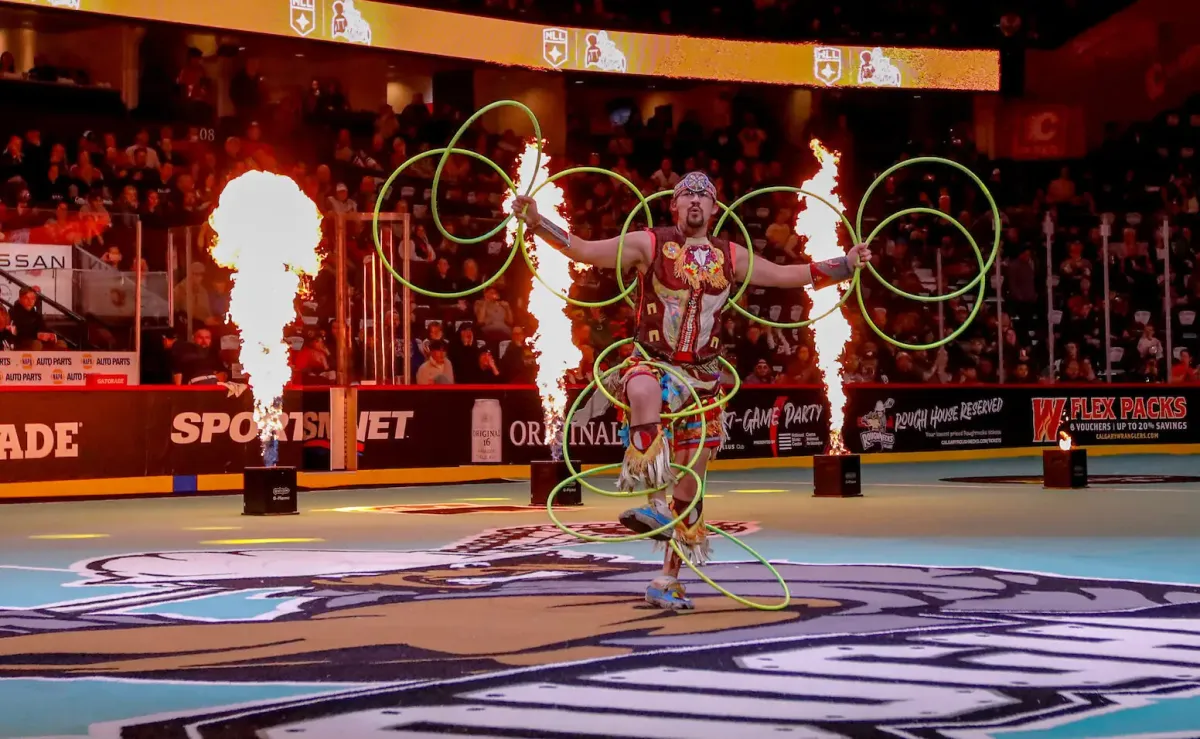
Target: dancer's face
column 693, row 210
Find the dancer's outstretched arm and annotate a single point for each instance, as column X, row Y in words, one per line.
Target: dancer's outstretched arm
column 636, row 252
column 818, row 274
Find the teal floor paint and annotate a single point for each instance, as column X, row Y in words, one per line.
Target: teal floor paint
column 32, row 588
column 27, row 710
column 1163, row 716
column 245, row 605
column 1159, row 560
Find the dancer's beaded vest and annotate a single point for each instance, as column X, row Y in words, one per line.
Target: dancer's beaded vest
column 682, row 295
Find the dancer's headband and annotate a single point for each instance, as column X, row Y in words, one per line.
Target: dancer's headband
column 697, row 183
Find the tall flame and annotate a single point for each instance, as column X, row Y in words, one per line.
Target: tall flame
column 821, row 228
column 268, row 232
column 556, row 353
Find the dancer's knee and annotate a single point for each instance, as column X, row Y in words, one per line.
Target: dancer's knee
column 644, row 397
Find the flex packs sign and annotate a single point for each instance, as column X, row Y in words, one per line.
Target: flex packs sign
column 1136, row 415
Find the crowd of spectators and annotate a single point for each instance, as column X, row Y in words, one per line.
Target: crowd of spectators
column 169, row 176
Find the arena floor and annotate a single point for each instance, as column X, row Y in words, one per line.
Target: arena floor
column 924, row 609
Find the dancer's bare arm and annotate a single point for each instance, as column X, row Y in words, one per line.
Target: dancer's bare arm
column 636, row 252
column 828, row 272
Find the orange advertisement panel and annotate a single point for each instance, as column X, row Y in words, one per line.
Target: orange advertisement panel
column 496, row 41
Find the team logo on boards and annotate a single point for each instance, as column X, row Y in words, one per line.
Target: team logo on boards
column 602, row 53
column 348, row 23
column 878, row 427
column 303, row 16
column 875, row 68
column 555, row 48
column 827, row 64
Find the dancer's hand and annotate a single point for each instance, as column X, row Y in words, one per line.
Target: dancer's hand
column 525, row 208
column 859, row 256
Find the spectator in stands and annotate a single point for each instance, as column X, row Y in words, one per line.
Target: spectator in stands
column 197, row 363
column 246, row 90
column 192, row 296
column 312, row 365
column 157, row 356
column 442, row 282
column 1148, row 346
column 1183, row 371
column 29, row 324
column 8, row 65
column 464, row 351
column 665, row 177
column 762, row 374
column 754, row 347
column 341, row 202
column 484, row 372
column 1148, row 371
column 751, row 137
column 436, row 370
column 494, row 316
column 8, row 336
column 470, row 279
column 12, row 161
column 1061, row 190
column 517, row 361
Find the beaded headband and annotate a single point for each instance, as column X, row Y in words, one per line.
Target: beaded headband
column 698, row 183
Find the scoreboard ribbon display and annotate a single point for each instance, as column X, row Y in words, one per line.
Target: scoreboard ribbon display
column 513, row 43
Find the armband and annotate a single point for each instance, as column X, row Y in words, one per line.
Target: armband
column 553, row 234
column 830, row 272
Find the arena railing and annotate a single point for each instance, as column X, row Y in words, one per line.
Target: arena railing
column 88, row 270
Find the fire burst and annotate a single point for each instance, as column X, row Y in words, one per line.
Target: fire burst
column 821, row 227
column 267, row 233
column 556, row 353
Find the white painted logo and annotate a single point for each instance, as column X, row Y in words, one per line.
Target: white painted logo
column 303, row 17
column 875, row 68
column 827, row 64
column 348, row 23
column 555, row 49
column 602, row 53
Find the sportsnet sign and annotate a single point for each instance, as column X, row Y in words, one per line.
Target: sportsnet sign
column 1140, row 415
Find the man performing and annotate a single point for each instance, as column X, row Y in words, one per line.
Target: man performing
column 686, row 279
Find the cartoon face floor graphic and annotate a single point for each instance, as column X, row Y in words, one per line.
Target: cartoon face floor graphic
column 507, row 634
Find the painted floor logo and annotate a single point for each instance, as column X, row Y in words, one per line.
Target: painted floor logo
column 556, row 636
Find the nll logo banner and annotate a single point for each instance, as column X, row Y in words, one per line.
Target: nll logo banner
column 555, row 49
column 827, row 64
column 303, row 17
